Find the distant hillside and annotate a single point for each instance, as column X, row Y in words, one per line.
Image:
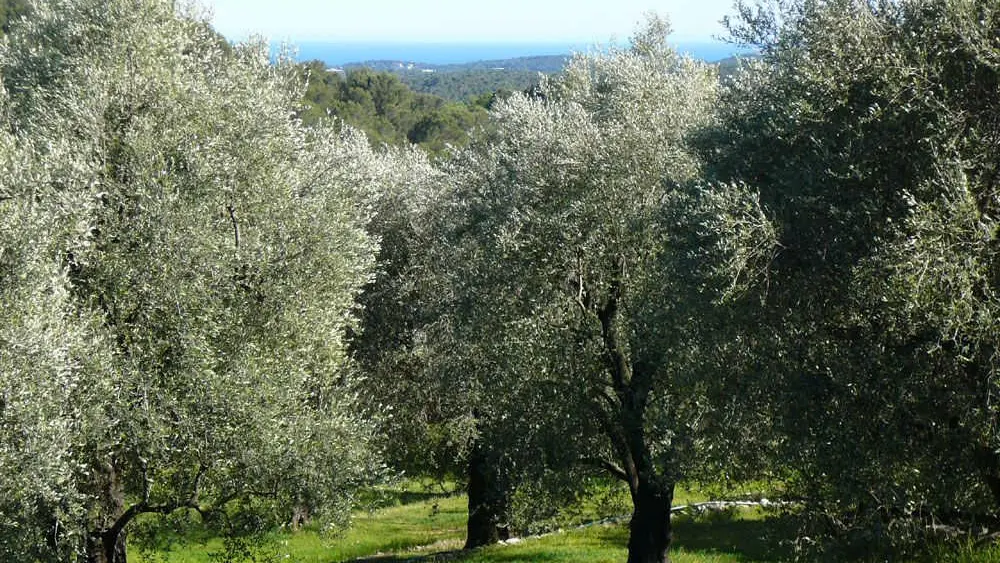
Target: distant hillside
column 544, row 63
column 467, row 81
column 467, row 85
column 470, row 81
column 729, row 66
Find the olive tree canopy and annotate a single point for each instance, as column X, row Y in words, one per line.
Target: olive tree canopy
column 185, row 256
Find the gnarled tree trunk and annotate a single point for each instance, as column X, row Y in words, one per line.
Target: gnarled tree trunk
column 487, row 500
column 650, row 533
column 106, row 543
column 103, row 548
column 652, row 491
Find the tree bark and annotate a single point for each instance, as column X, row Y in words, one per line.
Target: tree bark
column 652, row 491
column 487, row 501
column 106, row 542
column 989, row 468
column 103, row 548
column 650, row 533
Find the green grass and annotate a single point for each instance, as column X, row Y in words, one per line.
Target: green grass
column 425, row 525
column 735, row 538
column 440, row 519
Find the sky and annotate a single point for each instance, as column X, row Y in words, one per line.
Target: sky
column 458, row 21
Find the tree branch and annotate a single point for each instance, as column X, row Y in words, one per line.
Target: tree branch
column 236, row 225
column 612, row 468
column 616, row 360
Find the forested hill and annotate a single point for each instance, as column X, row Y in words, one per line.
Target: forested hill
column 387, row 109
column 467, row 81
column 462, row 82
column 464, row 85
column 543, row 63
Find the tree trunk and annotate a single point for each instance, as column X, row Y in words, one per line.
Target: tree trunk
column 649, row 532
column 102, row 548
column 989, row 468
column 106, row 543
column 300, row 516
column 652, row 490
column 487, row 501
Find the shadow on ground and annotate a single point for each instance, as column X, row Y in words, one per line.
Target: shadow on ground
column 730, row 537
column 743, row 539
column 453, row 555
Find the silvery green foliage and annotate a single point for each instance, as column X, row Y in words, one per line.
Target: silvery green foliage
column 215, row 250
column 421, row 419
column 870, row 130
column 47, row 348
column 581, row 200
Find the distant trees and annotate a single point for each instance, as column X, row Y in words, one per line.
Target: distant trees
column 178, row 265
column 463, row 85
column 384, row 108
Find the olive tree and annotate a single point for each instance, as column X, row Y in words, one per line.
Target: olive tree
column 47, row 348
column 869, row 129
column 576, row 307
column 216, row 248
column 421, row 426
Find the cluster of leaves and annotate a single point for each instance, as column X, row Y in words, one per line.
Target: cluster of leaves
column 11, row 11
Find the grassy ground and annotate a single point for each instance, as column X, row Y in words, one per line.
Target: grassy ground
column 390, row 529
column 743, row 539
column 429, row 526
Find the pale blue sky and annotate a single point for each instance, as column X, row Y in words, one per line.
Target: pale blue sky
column 536, row 21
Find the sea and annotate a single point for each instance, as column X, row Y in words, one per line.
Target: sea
column 337, row 54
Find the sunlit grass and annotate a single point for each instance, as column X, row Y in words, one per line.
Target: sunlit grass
column 420, row 524
column 390, row 529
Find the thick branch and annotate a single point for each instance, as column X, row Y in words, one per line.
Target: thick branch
column 612, row 468
column 616, row 360
column 111, row 534
column 619, row 444
column 144, row 507
column 236, row 225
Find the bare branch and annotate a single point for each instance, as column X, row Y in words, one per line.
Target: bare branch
column 614, row 469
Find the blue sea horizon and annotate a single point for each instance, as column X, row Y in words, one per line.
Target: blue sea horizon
column 336, row 54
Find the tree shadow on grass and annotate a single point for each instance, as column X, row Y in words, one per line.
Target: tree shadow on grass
column 388, row 498
column 452, row 555
column 745, row 539
column 724, row 534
